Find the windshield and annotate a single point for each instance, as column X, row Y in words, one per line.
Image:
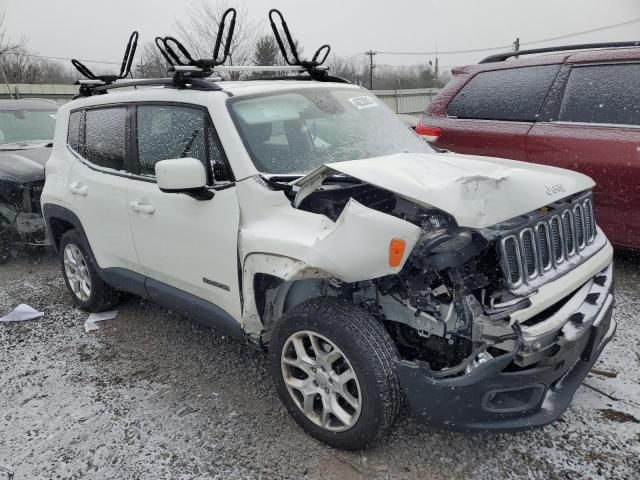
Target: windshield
column 297, row 131
column 26, row 125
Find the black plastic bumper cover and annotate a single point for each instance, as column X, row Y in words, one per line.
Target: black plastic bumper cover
column 488, row 398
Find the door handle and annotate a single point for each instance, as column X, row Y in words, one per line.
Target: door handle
column 78, row 188
column 142, row 208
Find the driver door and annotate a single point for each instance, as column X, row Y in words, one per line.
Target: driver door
column 183, row 242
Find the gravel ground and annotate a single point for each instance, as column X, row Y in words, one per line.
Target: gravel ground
column 153, row 395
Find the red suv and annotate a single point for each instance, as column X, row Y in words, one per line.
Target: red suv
column 577, row 109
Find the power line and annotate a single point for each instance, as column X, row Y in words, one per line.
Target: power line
column 502, row 47
column 599, row 29
column 411, row 65
column 347, row 57
column 437, row 52
column 18, row 54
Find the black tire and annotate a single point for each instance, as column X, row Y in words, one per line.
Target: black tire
column 5, row 249
column 102, row 296
column 8, row 238
column 371, row 353
column 5, row 256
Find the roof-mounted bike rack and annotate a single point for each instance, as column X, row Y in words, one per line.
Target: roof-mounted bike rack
column 185, row 67
column 290, row 52
column 93, row 80
column 190, row 72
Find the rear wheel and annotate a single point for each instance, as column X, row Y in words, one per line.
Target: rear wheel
column 333, row 365
column 80, row 274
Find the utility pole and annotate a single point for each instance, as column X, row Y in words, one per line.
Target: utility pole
column 436, row 61
column 371, row 53
column 516, row 45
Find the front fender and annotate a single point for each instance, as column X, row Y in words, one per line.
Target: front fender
column 353, row 248
column 282, row 241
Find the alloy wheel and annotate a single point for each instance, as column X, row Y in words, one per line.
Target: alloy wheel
column 77, row 272
column 321, row 381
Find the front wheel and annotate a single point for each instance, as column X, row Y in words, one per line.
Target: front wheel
column 333, row 365
column 5, row 248
column 7, row 240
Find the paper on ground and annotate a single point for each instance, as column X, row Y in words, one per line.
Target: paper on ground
column 90, row 323
column 21, row 313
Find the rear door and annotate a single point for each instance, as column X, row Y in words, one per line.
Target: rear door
column 186, row 243
column 492, row 114
column 98, row 183
column 591, row 124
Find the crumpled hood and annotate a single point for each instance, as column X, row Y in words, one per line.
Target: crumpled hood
column 24, row 165
column 477, row 191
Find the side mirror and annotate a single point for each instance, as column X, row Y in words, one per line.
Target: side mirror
column 183, row 175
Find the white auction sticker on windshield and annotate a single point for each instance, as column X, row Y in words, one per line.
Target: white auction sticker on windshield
column 363, row 102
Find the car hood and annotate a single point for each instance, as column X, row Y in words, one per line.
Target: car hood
column 24, row 165
column 477, row 191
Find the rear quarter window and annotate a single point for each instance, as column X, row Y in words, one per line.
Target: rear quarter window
column 607, row 94
column 514, row 94
column 73, row 134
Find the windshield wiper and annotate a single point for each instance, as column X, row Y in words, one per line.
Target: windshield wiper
column 189, row 144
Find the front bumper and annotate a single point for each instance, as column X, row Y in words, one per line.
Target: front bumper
column 495, row 396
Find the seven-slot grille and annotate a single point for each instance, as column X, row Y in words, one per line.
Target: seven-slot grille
column 543, row 246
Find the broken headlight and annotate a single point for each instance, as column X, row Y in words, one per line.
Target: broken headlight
column 441, row 233
column 444, row 244
column 452, row 242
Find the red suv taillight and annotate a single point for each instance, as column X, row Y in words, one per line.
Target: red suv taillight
column 430, row 134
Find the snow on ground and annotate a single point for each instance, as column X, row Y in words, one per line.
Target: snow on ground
column 153, row 395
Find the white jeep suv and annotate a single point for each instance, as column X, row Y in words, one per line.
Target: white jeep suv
column 304, row 218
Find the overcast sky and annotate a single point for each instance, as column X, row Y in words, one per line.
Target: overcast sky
column 99, row 29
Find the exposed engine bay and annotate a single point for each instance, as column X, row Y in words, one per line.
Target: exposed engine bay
column 21, row 222
column 21, row 184
column 450, row 307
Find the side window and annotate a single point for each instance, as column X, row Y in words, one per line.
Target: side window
column 105, row 137
column 166, row 132
column 602, row 94
column 73, row 134
column 514, row 94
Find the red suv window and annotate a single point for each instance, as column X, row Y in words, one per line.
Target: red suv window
column 607, row 94
column 515, row 94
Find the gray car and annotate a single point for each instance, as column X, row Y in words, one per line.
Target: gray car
column 26, row 133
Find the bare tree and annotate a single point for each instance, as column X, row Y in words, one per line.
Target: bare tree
column 198, row 32
column 352, row 69
column 7, row 44
column 53, row 71
column 20, row 67
column 151, row 63
column 387, row 77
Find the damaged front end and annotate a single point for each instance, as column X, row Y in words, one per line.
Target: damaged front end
column 21, row 222
column 496, row 326
column 21, row 184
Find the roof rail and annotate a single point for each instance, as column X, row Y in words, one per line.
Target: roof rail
column 500, row 57
column 194, row 83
